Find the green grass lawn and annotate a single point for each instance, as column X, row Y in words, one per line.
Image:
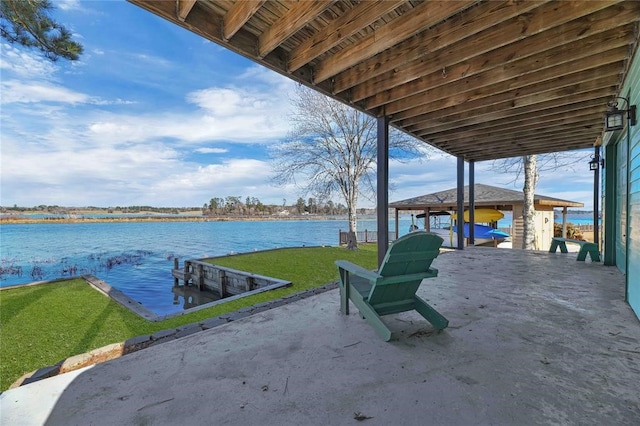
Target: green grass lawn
column 43, row 324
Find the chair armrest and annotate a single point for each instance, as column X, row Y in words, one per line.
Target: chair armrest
column 357, row 270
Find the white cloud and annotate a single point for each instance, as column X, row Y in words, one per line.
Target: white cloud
column 224, row 102
column 212, row 150
column 235, row 173
column 222, row 114
column 24, row 63
column 258, row 75
column 68, row 4
column 147, row 61
column 144, row 176
column 30, row 92
column 59, row 147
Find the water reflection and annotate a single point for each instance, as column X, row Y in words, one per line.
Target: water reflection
column 192, row 297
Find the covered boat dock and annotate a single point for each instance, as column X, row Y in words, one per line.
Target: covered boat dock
column 492, row 197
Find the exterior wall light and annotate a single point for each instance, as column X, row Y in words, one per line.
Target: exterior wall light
column 596, row 162
column 614, row 118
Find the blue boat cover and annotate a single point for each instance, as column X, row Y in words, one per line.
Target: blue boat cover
column 483, row 231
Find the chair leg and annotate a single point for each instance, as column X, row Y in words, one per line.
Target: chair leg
column 430, row 314
column 372, row 317
column 582, row 254
column 344, row 291
column 374, row 320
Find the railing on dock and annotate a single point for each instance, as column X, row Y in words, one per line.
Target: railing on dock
column 506, row 229
column 365, row 236
column 221, row 280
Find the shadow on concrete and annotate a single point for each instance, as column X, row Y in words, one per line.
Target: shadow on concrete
column 534, row 338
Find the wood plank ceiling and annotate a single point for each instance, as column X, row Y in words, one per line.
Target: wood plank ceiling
column 481, row 79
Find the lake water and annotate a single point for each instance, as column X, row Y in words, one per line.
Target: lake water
column 137, row 257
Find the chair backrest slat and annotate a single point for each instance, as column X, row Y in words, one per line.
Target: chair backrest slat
column 411, row 254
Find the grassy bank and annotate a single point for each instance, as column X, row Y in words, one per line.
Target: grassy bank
column 43, row 324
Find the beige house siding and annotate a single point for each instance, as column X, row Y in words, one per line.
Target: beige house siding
column 543, row 222
column 518, row 227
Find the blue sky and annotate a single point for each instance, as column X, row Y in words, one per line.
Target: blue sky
column 152, row 114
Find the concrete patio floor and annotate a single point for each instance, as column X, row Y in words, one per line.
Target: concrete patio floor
column 534, row 338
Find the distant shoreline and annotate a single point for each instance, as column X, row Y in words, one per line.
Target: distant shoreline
column 21, row 219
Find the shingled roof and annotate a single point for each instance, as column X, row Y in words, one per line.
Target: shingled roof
column 485, row 195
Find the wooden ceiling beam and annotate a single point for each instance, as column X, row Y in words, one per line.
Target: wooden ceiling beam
column 238, row 15
column 508, row 120
column 536, row 121
column 183, row 7
column 201, row 22
column 546, row 136
column 291, row 22
column 421, row 17
column 444, row 68
column 541, row 150
column 572, row 57
column 549, row 132
column 457, row 117
column 502, row 80
column 507, row 126
column 475, row 19
column 343, row 27
column 516, row 148
column 510, row 149
column 495, row 113
column 565, row 142
column 575, row 142
column 512, row 40
column 529, row 96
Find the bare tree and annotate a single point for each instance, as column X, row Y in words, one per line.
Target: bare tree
column 529, row 168
column 531, row 176
column 28, row 23
column 332, row 149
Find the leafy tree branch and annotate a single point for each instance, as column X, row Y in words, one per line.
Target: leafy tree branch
column 28, row 23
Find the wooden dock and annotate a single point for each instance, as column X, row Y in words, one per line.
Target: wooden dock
column 223, row 281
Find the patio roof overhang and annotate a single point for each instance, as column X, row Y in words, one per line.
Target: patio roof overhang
column 479, row 80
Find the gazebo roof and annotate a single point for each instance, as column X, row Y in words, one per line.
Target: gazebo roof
column 485, row 195
column 478, row 79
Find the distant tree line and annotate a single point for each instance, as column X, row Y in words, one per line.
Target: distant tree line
column 55, row 209
column 252, row 206
column 139, row 209
column 230, row 205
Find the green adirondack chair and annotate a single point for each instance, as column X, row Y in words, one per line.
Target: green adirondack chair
column 393, row 288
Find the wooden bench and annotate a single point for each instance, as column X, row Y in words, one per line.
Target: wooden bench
column 585, row 247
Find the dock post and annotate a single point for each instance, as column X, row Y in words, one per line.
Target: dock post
column 200, row 277
column 249, row 282
column 222, row 278
column 176, row 265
